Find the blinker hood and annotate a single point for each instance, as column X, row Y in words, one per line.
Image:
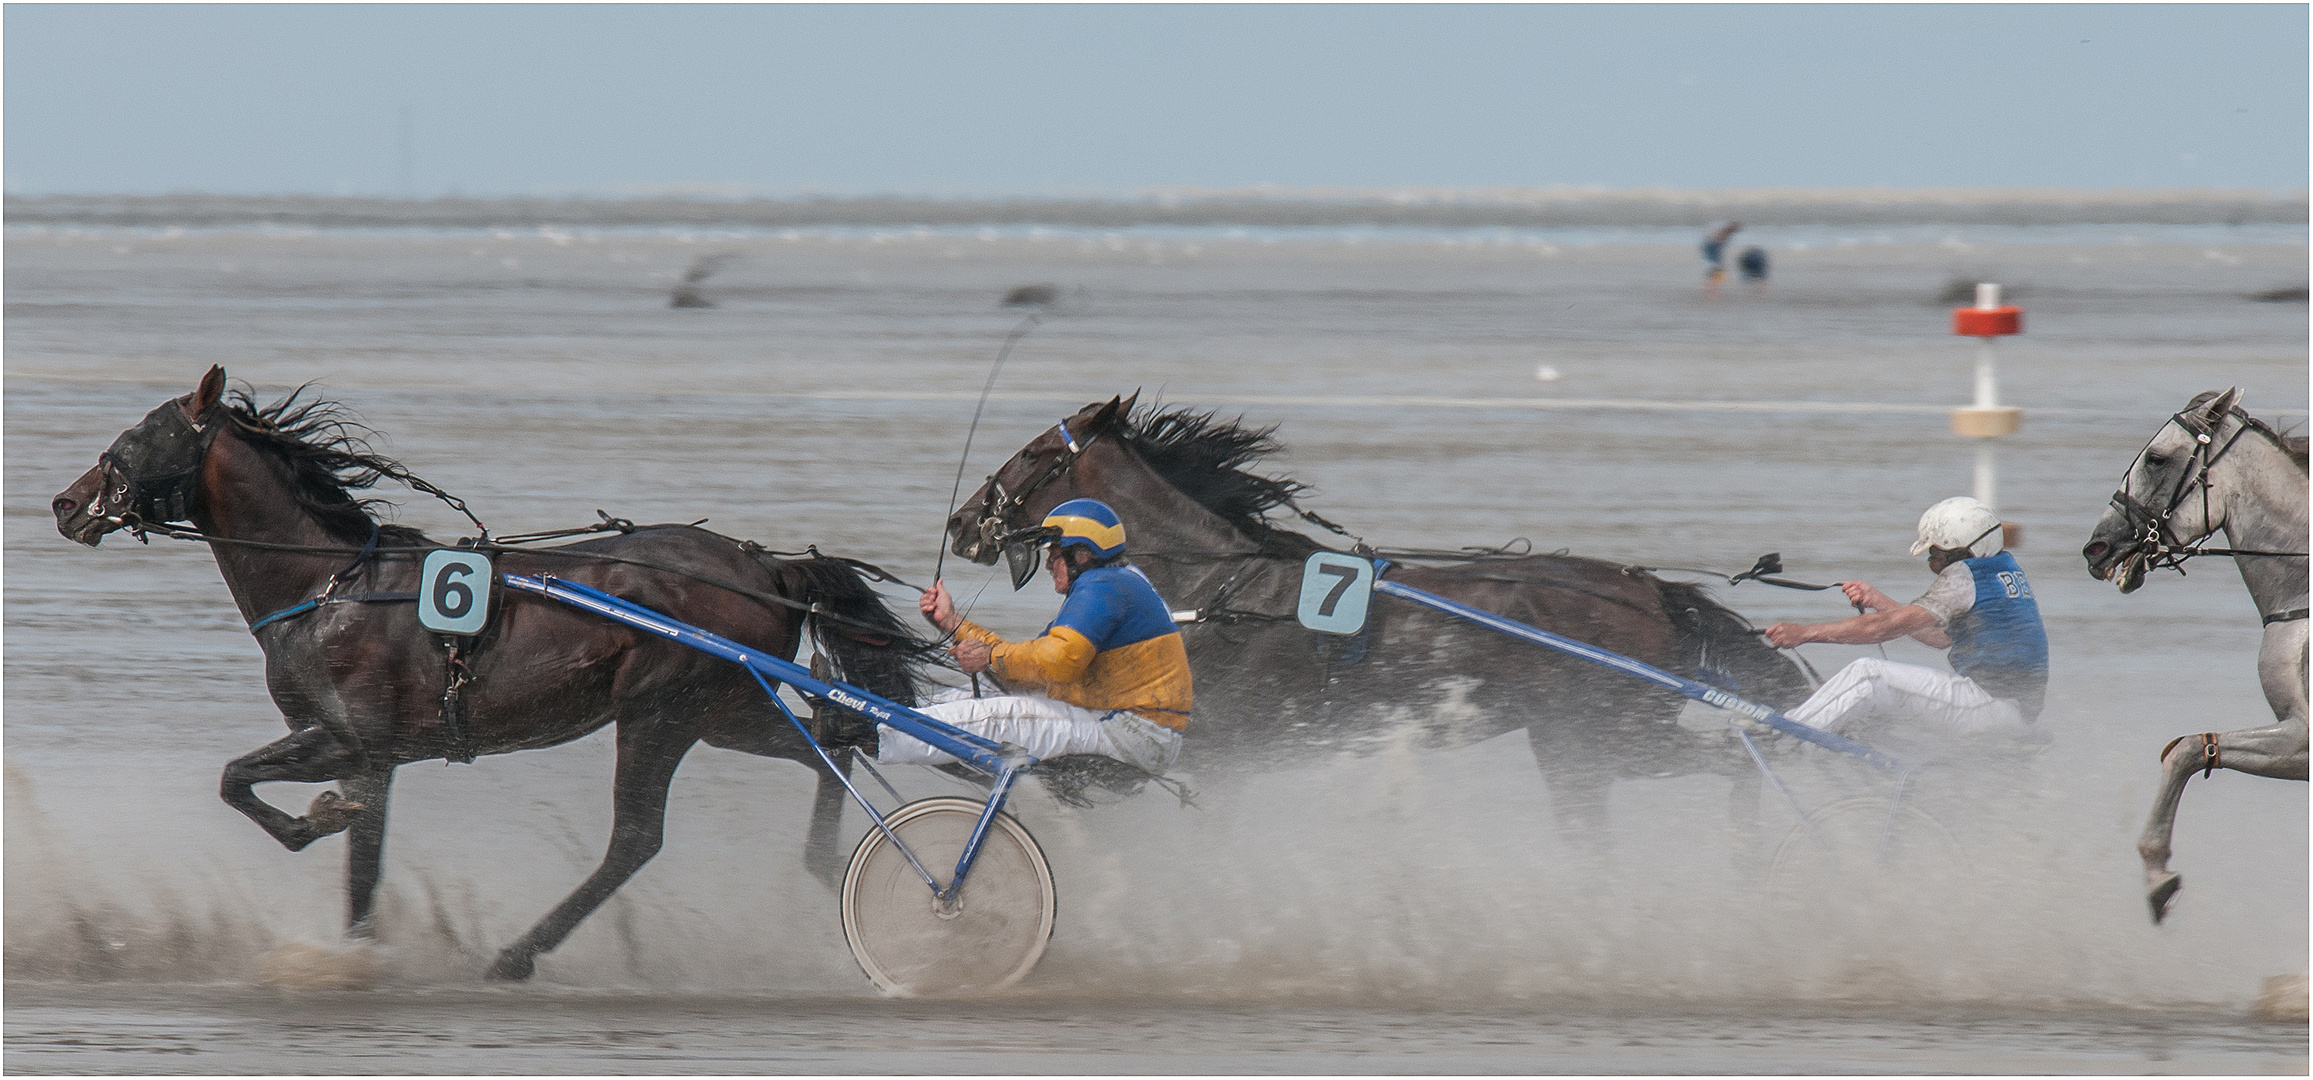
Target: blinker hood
column 1022, row 559
column 1021, row 548
column 155, row 462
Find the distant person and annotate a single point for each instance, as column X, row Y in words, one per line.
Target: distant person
column 1715, row 254
column 1753, row 265
column 1980, row 607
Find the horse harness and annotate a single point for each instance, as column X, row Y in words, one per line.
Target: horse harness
column 2152, row 527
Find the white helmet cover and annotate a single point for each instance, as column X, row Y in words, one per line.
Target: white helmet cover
column 1959, row 522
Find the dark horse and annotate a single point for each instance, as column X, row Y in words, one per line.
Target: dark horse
column 362, row 685
column 1269, row 689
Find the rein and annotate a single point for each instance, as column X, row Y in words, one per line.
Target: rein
column 2160, row 548
column 372, row 549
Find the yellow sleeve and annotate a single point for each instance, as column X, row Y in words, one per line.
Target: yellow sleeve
column 1059, row 658
column 977, row 632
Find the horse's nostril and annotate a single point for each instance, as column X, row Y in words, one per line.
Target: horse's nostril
column 2096, row 550
column 63, row 506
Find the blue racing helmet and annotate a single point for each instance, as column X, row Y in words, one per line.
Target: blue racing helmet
column 1086, row 523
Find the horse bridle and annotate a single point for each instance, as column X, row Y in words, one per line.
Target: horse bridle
column 2151, row 528
column 134, row 493
column 1000, row 504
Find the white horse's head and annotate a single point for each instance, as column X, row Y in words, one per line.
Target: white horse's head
column 2174, row 492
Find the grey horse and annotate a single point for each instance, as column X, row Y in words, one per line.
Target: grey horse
column 2212, row 468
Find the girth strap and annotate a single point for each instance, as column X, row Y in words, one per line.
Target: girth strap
column 2291, row 615
column 299, row 609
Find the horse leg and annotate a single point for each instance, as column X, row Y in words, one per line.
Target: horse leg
column 365, row 847
column 820, row 853
column 648, row 753
column 2277, row 751
column 310, row 756
column 1578, row 794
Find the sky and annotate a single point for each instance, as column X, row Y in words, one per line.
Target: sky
column 967, row 100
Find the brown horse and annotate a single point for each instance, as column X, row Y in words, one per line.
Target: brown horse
column 1269, row 690
column 363, row 686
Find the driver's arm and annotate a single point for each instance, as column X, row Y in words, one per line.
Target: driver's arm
column 1059, row 658
column 1879, row 626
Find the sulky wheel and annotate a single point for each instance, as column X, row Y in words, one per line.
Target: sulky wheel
column 1865, row 843
column 991, row 937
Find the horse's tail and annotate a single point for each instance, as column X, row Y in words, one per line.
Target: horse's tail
column 870, row 647
column 1724, row 650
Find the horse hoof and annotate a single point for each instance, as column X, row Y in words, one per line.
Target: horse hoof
column 330, row 813
column 2163, row 891
column 512, row 966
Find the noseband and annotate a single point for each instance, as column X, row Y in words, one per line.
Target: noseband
column 2151, row 527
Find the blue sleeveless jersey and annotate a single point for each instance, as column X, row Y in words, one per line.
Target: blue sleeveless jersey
column 1998, row 643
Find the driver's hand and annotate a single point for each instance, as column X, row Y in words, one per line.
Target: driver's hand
column 1783, row 635
column 1858, row 593
column 938, row 609
column 972, row 655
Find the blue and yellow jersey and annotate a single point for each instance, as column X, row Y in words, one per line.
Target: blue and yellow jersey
column 1113, row 646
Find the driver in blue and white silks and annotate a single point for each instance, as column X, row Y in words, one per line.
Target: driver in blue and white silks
column 1980, row 607
column 1110, row 675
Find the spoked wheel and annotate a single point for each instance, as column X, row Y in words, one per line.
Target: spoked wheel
column 1865, row 843
column 913, row 946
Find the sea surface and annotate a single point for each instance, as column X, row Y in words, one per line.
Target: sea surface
column 1391, row 912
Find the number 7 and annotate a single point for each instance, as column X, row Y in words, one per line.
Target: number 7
column 1348, row 576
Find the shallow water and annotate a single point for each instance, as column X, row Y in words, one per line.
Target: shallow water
column 144, row 1030
column 1417, row 907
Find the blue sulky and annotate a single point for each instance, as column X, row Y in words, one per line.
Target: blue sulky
column 1001, row 761
column 1708, row 695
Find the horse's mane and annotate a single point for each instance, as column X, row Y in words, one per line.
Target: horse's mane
column 1208, row 459
column 329, row 458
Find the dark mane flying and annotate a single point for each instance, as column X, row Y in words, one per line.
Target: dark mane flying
column 329, row 458
column 1206, row 458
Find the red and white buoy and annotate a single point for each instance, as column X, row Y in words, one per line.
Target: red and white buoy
column 1987, row 419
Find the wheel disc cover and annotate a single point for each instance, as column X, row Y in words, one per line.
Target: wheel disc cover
column 907, row 945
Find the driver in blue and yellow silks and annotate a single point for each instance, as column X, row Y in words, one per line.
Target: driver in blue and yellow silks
column 1109, row 676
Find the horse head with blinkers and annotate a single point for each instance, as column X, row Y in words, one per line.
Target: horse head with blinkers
column 1001, row 518
column 148, row 476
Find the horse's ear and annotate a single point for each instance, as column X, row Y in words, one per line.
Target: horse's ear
column 2221, row 406
column 1124, row 408
column 208, row 394
column 1105, row 416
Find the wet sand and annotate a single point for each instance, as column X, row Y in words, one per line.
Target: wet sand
column 1391, row 912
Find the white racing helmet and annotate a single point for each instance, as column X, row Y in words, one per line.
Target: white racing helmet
column 1959, row 523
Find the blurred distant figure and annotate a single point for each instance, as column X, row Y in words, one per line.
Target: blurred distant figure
column 687, row 294
column 1032, row 296
column 1752, row 264
column 1715, row 254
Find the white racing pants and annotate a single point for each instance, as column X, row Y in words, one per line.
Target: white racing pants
column 1041, row 726
column 1884, row 690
